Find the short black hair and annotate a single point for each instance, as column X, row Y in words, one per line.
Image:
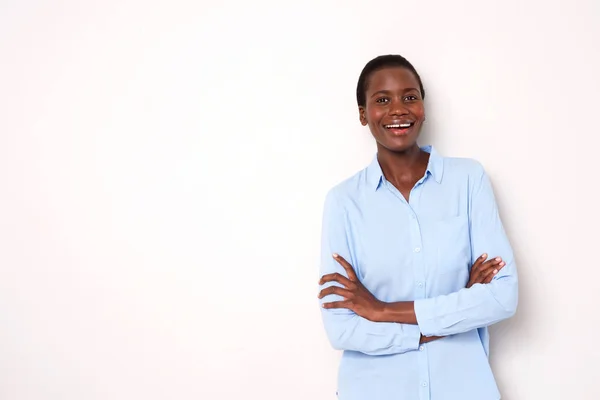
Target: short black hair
column 391, row 60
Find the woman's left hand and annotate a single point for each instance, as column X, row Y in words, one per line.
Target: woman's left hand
column 356, row 297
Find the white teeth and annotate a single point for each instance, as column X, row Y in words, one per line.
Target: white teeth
column 396, row 126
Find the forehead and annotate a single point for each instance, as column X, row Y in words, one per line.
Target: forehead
column 391, row 79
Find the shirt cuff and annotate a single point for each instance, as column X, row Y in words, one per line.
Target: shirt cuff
column 425, row 316
column 433, row 320
column 411, row 335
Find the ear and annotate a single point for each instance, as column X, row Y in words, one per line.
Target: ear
column 362, row 116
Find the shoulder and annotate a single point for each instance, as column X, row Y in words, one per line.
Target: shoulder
column 348, row 190
column 463, row 168
column 467, row 174
column 461, row 165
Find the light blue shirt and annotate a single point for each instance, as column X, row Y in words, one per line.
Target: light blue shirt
column 420, row 251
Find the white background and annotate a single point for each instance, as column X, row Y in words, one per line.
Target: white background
column 163, row 167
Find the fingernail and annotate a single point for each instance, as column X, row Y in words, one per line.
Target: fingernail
column 484, row 255
column 495, row 271
column 335, row 255
column 502, row 264
column 498, row 259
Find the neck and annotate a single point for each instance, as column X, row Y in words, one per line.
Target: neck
column 408, row 165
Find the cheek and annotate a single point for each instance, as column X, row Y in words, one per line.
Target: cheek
column 419, row 112
column 374, row 116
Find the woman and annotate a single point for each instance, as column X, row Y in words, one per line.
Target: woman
column 407, row 288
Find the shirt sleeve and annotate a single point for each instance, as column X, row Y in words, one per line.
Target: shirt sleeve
column 482, row 304
column 345, row 329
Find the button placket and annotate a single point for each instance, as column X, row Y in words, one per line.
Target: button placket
column 420, row 283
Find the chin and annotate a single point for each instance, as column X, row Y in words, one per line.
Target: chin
column 399, row 145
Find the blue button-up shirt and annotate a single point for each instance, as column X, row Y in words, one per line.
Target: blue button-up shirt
column 420, row 251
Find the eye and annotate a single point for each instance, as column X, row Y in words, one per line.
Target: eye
column 382, row 100
column 411, row 97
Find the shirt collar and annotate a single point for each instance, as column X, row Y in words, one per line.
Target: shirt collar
column 435, row 168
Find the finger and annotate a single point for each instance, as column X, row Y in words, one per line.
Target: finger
column 484, row 267
column 489, row 272
column 496, row 260
column 478, row 268
column 335, row 290
column 480, row 274
column 346, row 265
column 335, row 277
column 478, row 265
column 338, row 304
column 479, row 261
column 493, row 271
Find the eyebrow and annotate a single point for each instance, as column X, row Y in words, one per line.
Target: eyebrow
column 388, row 91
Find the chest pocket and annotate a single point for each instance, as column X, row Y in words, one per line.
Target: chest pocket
column 450, row 244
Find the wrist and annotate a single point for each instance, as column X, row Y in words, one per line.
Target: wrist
column 380, row 311
column 402, row 312
column 427, row 339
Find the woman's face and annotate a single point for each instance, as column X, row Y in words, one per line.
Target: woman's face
column 393, row 109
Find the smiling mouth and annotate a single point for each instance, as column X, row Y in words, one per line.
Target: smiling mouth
column 399, row 129
column 399, row 126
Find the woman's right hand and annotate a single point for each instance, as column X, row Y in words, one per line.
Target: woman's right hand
column 484, row 271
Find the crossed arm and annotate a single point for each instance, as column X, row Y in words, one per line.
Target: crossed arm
column 359, row 300
column 355, row 320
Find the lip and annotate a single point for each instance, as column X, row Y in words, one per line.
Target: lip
column 399, row 122
column 399, row 131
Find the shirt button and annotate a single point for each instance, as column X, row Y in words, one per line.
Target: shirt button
column 421, row 348
column 424, row 384
column 420, row 284
column 417, row 249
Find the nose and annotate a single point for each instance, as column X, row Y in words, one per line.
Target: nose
column 397, row 107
